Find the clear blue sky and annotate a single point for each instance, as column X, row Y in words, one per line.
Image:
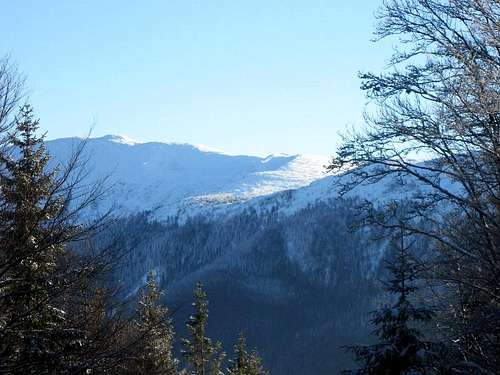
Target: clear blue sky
column 242, row 76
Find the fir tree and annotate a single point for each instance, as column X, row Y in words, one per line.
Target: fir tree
column 400, row 348
column 101, row 333
column 218, row 360
column 31, row 325
column 239, row 365
column 255, row 366
column 245, row 363
column 154, row 328
column 198, row 349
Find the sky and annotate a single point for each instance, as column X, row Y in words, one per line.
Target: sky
column 247, row 77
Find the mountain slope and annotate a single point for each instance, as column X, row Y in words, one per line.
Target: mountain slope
column 171, row 177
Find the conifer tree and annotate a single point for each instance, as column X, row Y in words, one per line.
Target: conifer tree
column 239, row 365
column 155, row 334
column 92, row 319
column 400, row 348
column 245, row 363
column 108, row 335
column 218, row 360
column 198, row 349
column 31, row 333
column 255, row 366
column 39, row 277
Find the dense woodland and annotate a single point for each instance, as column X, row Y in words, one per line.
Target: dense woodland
column 88, row 295
column 308, row 276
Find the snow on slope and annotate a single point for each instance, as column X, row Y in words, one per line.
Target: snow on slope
column 172, row 178
column 392, row 187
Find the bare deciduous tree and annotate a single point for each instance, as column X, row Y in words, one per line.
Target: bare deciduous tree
column 11, row 92
column 440, row 99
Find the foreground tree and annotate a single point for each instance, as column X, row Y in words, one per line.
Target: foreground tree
column 217, row 360
column 39, row 277
column 11, row 94
column 245, row 363
column 255, row 365
column 239, row 365
column 31, row 322
column 154, row 335
column 440, row 100
column 200, row 353
column 400, row 348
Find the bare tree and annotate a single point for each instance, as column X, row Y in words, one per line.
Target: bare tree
column 11, row 92
column 439, row 99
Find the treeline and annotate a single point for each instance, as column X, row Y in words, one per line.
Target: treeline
column 58, row 312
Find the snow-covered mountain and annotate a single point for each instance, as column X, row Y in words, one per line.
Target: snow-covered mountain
column 173, row 178
column 182, row 180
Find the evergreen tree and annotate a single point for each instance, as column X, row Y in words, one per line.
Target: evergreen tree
column 245, row 363
column 239, row 365
column 155, row 334
column 31, row 321
column 198, row 349
column 109, row 339
column 88, row 315
column 92, row 319
column 217, row 360
column 43, row 328
column 255, row 366
column 400, row 348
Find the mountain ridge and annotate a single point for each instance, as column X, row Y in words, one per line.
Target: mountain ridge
column 179, row 178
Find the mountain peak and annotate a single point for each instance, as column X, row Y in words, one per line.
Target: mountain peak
column 118, row 139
